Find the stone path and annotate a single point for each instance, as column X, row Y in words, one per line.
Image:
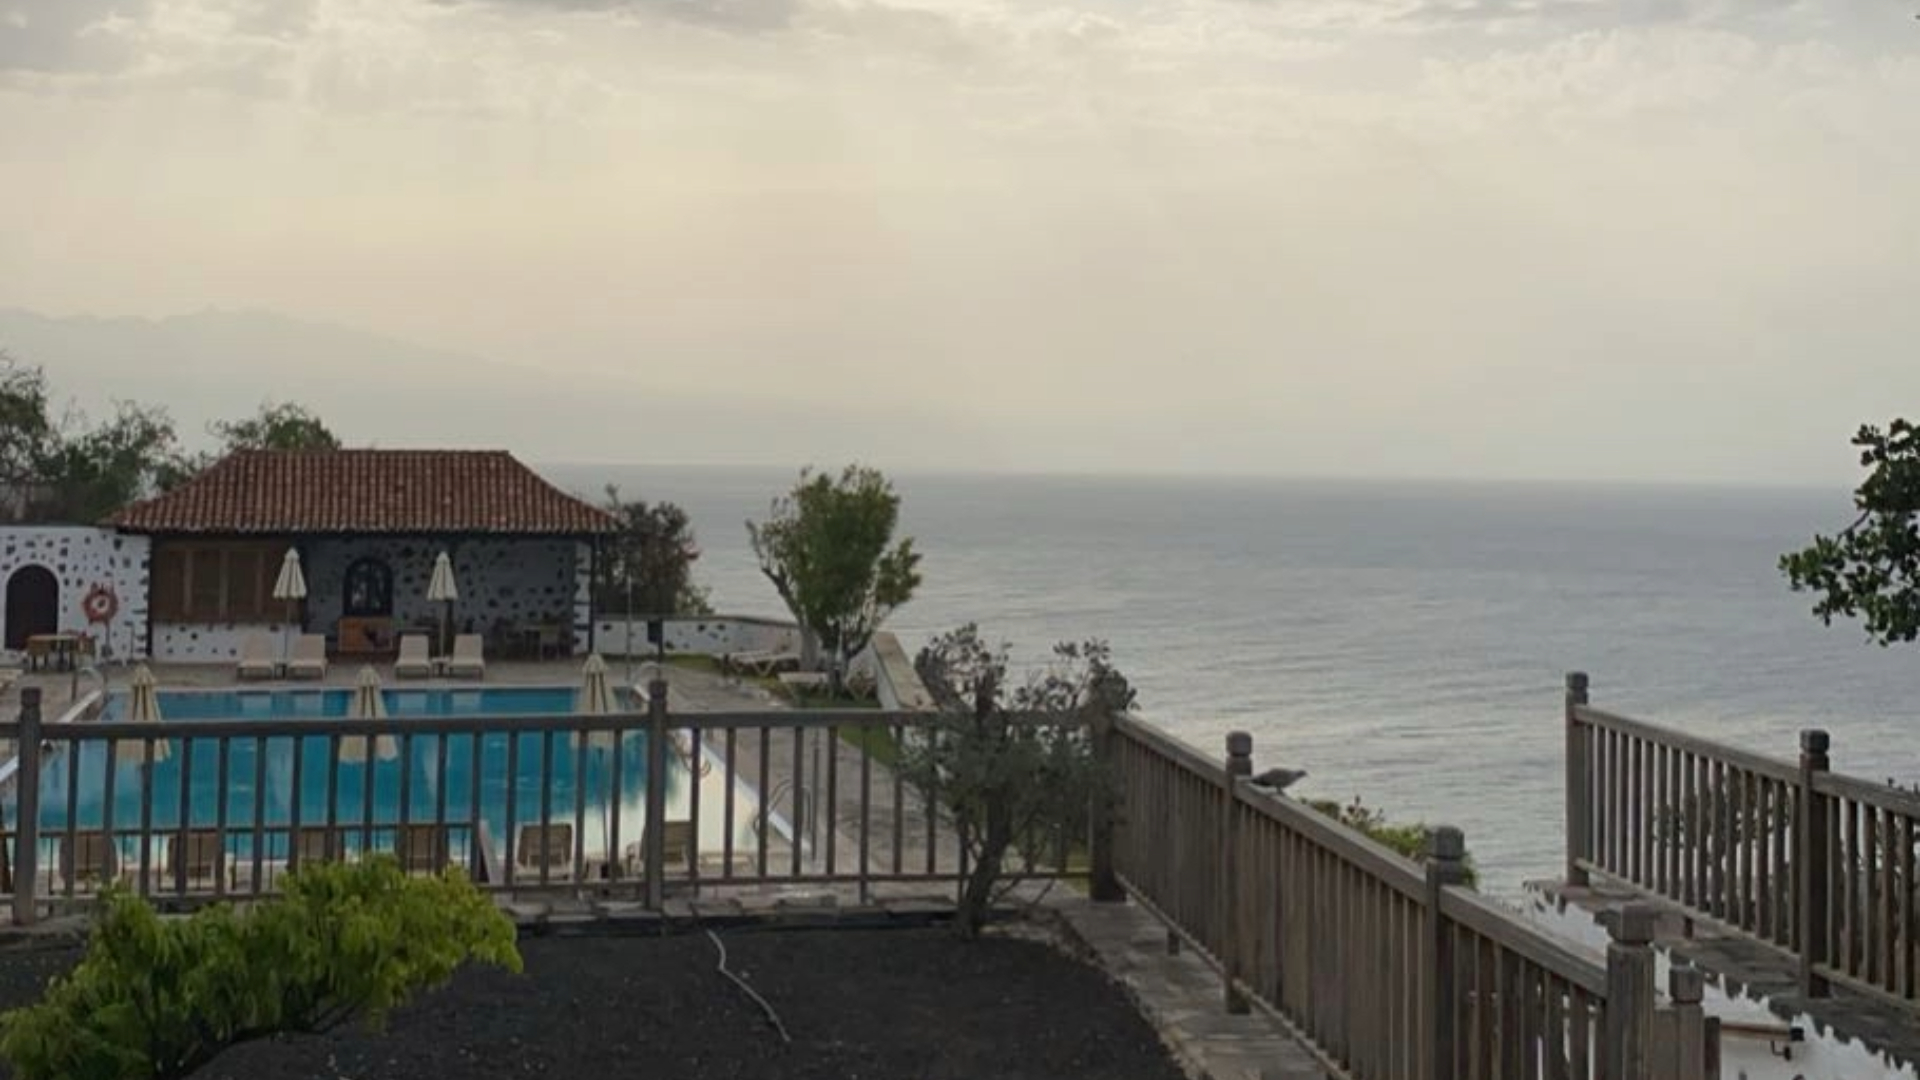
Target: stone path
column 1182, row 997
column 1745, row 968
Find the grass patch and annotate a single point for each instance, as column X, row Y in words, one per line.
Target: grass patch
column 877, row 743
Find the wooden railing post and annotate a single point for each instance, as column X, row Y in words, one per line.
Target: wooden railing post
column 654, row 851
column 1812, row 863
column 1630, row 991
column 1446, row 865
column 1579, row 783
column 1103, row 883
column 26, row 787
column 1685, row 1055
column 1239, row 767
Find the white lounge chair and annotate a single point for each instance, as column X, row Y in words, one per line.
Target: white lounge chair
column 256, row 658
column 412, row 663
column 309, row 660
column 469, row 659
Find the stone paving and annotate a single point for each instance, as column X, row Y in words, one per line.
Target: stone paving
column 1745, row 968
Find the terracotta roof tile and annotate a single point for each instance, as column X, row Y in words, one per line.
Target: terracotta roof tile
column 366, row 491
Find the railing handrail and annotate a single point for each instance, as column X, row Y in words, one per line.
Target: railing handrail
column 1770, row 767
column 1878, row 795
column 524, row 723
column 1139, row 729
column 1387, row 866
column 1491, row 920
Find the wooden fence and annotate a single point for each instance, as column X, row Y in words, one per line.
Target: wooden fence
column 1816, row 865
column 1386, row 967
column 191, row 811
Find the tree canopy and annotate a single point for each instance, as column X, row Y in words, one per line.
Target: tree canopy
column 277, row 426
column 647, row 567
column 827, row 546
column 1870, row 570
column 66, row 467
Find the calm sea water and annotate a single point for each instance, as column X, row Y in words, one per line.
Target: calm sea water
column 1405, row 643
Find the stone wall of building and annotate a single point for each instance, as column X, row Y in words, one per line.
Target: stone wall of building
column 213, row 643
column 80, row 558
column 711, row 635
column 519, row 581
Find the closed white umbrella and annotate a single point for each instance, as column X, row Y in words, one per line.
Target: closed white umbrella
column 442, row 589
column 291, row 588
column 368, row 705
column 595, row 697
column 143, row 707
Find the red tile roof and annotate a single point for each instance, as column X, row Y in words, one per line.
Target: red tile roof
column 366, row 491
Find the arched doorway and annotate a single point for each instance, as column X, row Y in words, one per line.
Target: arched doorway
column 33, row 605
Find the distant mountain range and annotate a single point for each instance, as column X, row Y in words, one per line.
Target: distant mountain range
column 380, row 391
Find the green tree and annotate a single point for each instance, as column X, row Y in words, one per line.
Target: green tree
column 647, row 567
column 1870, row 570
column 89, row 473
column 158, row 998
column 26, row 428
column 277, row 426
column 1012, row 765
column 828, row 548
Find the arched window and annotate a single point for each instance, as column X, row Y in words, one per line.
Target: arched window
column 369, row 589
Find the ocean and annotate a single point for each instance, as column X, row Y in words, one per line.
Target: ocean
column 1405, row 643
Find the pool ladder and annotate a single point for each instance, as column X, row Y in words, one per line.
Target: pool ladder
column 807, row 820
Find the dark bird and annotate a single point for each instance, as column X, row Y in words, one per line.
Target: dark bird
column 1278, row 780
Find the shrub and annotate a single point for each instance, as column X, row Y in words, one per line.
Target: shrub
column 1014, row 768
column 158, row 998
column 1403, row 839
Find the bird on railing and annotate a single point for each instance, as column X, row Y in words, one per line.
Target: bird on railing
column 1278, row 780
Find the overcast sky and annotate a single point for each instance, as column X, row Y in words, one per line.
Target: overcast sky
column 1641, row 239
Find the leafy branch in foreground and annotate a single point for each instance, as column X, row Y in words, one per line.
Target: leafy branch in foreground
column 156, row 999
column 1871, row 569
column 1014, row 767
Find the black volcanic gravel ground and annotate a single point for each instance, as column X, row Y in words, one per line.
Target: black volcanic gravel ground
column 860, row 1004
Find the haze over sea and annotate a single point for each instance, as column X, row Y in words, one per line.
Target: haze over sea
column 1405, row 642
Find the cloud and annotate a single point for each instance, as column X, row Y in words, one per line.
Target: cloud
column 69, row 35
column 746, row 15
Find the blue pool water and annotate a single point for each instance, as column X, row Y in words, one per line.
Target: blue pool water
column 411, row 786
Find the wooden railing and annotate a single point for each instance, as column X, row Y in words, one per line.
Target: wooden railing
column 1386, row 967
column 192, row 811
column 1813, row 864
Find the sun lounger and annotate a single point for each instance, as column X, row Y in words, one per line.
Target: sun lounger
column 761, row 663
column 544, row 845
column 256, row 658
column 677, row 854
column 422, row 848
column 412, row 662
column 309, row 660
column 469, row 658
column 319, row 844
column 198, row 858
column 88, row 860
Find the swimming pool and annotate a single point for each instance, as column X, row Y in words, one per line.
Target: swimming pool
column 367, row 799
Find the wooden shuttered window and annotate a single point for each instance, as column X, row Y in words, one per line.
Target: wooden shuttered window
column 216, row 581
